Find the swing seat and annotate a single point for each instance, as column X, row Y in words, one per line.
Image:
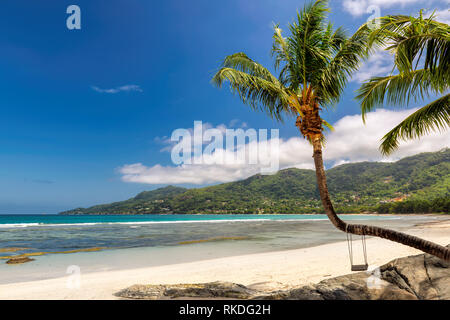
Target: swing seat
column 357, row 267
column 360, row 267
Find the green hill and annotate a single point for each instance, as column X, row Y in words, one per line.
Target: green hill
column 420, row 183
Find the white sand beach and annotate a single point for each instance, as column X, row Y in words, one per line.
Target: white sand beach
column 266, row 271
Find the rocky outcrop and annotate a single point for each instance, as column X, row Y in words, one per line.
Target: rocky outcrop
column 421, row 277
column 349, row 287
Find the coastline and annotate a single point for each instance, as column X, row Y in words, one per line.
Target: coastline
column 264, row 271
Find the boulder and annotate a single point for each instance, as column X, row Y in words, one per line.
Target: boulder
column 425, row 276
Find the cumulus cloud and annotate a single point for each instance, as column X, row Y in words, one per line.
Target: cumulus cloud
column 440, row 15
column 236, row 123
column 359, row 7
column 379, row 63
column 223, row 166
column 168, row 143
column 352, row 141
column 125, row 88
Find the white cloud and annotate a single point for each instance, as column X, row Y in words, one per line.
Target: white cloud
column 440, row 15
column 352, row 141
column 125, row 88
column 217, row 173
column 235, row 123
column 359, row 7
column 379, row 63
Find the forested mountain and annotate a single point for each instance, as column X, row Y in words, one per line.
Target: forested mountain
column 420, row 183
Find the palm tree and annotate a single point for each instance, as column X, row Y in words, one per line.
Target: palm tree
column 314, row 64
column 421, row 49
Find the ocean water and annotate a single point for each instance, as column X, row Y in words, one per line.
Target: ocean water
column 133, row 241
column 58, row 233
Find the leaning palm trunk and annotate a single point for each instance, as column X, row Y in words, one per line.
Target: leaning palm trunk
column 360, row 229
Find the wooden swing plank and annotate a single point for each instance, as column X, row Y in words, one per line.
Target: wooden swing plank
column 360, row 267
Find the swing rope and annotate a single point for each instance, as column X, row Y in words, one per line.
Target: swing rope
column 350, row 251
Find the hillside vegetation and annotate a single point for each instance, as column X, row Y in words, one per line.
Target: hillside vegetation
column 420, row 183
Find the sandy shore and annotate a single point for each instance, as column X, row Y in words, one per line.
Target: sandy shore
column 266, row 271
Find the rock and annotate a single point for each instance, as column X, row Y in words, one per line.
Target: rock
column 439, row 276
column 303, row 293
column 348, row 287
column 205, row 290
column 425, row 276
column 18, row 260
column 420, row 277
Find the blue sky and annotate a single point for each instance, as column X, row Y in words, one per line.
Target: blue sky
column 76, row 105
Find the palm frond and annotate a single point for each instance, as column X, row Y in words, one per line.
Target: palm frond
column 433, row 117
column 389, row 27
column 410, row 37
column 308, row 34
column 280, row 48
column 240, row 61
column 257, row 92
column 346, row 61
column 399, row 89
column 327, row 125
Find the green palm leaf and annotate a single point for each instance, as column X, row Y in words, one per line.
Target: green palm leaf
column 414, row 41
column 432, row 117
column 399, row 89
column 259, row 92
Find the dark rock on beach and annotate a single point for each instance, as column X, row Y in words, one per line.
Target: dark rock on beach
column 420, row 277
column 213, row 290
column 18, row 260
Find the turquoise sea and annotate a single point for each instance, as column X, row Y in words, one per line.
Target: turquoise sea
column 56, row 233
column 23, row 220
column 133, row 241
column 35, row 220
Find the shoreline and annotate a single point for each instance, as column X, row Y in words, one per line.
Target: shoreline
column 264, row 271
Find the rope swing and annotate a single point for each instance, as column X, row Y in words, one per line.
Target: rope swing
column 356, row 267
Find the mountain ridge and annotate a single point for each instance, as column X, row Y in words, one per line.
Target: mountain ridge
column 354, row 187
